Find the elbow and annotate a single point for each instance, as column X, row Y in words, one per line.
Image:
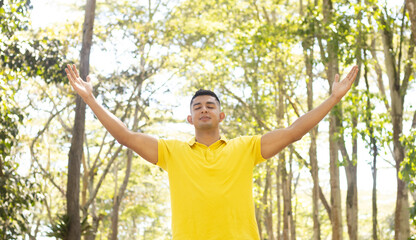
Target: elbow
column 295, row 135
column 297, row 138
column 123, row 139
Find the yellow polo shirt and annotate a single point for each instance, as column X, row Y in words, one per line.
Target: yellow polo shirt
column 211, row 187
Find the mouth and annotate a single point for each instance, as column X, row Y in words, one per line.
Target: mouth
column 204, row 118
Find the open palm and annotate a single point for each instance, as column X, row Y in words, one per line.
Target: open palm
column 340, row 88
column 83, row 88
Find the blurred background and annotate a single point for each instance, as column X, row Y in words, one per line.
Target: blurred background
column 269, row 61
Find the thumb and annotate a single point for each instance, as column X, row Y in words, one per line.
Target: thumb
column 88, row 78
column 336, row 78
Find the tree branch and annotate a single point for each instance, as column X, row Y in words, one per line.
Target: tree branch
column 32, row 151
column 258, row 119
column 321, row 194
column 408, row 69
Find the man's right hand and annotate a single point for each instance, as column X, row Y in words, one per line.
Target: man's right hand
column 83, row 88
column 142, row 144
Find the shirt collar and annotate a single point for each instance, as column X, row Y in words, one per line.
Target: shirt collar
column 192, row 140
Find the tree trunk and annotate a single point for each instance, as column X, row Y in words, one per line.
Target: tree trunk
column 286, row 203
column 259, row 211
column 336, row 215
column 76, row 149
column 352, row 200
column 270, row 208
column 119, row 198
column 397, row 93
column 123, row 187
column 351, row 167
column 411, row 9
column 85, row 177
column 374, row 150
column 268, row 220
column 374, row 193
column 315, row 190
column 278, row 201
column 351, row 203
column 284, row 176
column 331, row 70
column 290, row 207
column 307, row 45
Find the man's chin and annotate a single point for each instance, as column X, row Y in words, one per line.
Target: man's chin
column 206, row 126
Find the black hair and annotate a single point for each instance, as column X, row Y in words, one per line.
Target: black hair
column 203, row 92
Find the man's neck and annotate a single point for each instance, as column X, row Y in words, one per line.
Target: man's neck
column 207, row 138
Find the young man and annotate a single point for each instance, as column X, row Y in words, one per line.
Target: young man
column 210, row 177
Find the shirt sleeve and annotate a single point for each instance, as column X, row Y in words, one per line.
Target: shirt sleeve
column 258, row 158
column 164, row 149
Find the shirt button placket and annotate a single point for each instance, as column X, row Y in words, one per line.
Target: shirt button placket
column 210, row 154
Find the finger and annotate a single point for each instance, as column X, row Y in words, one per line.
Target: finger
column 351, row 73
column 71, row 80
column 75, row 70
column 88, row 78
column 354, row 73
column 68, row 74
column 71, row 72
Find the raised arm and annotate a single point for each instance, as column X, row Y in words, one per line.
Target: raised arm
column 274, row 141
column 142, row 144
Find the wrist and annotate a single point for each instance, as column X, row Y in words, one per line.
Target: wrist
column 89, row 99
column 336, row 97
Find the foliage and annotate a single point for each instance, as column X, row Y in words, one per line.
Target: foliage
column 22, row 53
column 19, row 59
column 21, row 56
column 408, row 168
column 59, row 228
column 41, row 58
column 18, row 195
column 10, row 118
column 12, row 17
column 247, row 51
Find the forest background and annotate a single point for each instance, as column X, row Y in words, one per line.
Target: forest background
column 351, row 177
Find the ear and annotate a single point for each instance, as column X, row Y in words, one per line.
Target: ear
column 222, row 116
column 189, row 119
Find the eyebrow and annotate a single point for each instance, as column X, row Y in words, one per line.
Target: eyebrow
column 198, row 103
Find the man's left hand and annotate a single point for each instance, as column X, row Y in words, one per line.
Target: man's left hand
column 339, row 89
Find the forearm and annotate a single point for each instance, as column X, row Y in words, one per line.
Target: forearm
column 309, row 120
column 113, row 125
column 274, row 141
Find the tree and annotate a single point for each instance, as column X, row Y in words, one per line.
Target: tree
column 17, row 195
column 247, row 51
column 21, row 57
column 330, row 57
column 76, row 150
column 411, row 9
column 398, row 82
column 308, row 52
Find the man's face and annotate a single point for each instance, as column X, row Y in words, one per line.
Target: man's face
column 205, row 113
